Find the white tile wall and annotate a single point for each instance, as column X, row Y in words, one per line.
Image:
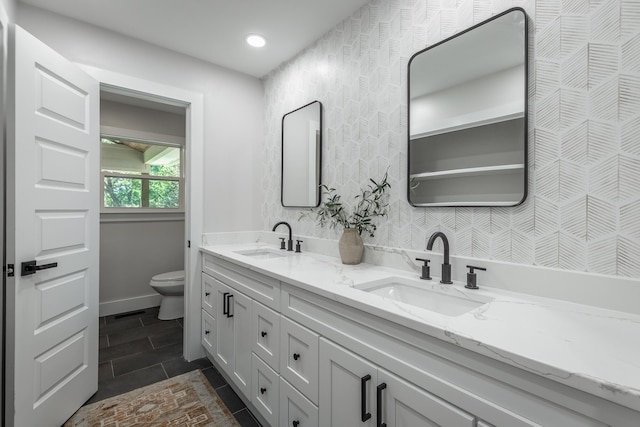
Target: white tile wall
column 583, row 209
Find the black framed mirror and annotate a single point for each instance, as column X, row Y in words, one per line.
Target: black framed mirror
column 467, row 98
column 302, row 156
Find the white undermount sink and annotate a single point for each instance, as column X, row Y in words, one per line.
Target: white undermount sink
column 420, row 294
column 262, row 253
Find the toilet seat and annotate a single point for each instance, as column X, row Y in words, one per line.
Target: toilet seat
column 171, row 276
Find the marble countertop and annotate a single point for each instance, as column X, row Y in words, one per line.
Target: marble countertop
column 587, row 348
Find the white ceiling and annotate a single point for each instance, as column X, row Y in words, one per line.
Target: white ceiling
column 214, row 30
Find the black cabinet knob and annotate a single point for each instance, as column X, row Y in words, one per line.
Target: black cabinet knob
column 296, row 356
column 263, row 334
column 263, row 390
column 206, row 294
column 296, row 423
column 207, row 332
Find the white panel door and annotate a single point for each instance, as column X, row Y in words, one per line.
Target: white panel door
column 240, row 306
column 224, row 346
column 52, row 216
column 405, row 405
column 347, row 388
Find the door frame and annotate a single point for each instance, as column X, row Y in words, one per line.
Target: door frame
column 194, row 192
column 4, row 28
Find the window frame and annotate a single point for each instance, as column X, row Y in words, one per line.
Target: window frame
column 144, row 210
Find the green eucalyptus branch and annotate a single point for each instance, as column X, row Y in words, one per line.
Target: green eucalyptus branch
column 370, row 203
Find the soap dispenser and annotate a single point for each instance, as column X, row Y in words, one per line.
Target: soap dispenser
column 472, row 277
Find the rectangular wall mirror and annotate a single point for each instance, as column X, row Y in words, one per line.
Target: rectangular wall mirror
column 468, row 116
column 301, row 156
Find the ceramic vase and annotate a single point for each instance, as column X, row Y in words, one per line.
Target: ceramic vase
column 350, row 246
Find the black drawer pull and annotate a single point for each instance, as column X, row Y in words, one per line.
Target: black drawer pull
column 296, row 356
column 363, row 398
column 379, row 405
column 263, row 390
column 263, row 333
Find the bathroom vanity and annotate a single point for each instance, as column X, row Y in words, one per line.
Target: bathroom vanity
column 307, row 341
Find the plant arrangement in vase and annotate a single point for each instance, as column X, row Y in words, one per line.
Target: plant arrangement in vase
column 370, row 203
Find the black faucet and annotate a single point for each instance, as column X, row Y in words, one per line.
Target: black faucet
column 290, row 241
column 446, row 267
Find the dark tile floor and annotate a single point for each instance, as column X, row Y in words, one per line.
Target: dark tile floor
column 138, row 349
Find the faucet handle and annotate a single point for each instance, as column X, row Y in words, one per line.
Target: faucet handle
column 282, row 243
column 472, row 277
column 298, row 245
column 426, row 273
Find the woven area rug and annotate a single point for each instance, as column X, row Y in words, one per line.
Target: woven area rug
column 185, row 400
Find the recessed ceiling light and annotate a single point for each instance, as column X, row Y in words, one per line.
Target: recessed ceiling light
column 256, row 40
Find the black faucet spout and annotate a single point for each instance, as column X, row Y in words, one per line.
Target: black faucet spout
column 290, row 241
column 446, row 267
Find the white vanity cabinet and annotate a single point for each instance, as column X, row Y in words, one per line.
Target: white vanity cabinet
column 302, row 359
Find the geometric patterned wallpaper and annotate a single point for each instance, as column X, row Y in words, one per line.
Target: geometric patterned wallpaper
column 583, row 208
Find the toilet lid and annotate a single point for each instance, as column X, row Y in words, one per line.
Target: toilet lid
column 168, row 277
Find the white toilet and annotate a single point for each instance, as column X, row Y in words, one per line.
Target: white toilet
column 171, row 287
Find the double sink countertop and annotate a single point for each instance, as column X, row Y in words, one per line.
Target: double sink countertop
column 588, row 348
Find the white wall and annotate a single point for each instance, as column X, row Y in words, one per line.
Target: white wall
column 140, row 119
column 133, row 252
column 583, row 208
column 234, row 141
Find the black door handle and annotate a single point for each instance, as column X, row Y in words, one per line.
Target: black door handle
column 30, row 267
column 381, row 387
column 225, row 302
column 228, row 297
column 363, row 398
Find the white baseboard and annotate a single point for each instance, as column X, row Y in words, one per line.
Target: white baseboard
column 108, row 308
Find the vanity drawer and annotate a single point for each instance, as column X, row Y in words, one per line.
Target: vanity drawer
column 208, row 332
column 256, row 286
column 266, row 335
column 295, row 407
column 299, row 357
column 208, row 295
column 266, row 390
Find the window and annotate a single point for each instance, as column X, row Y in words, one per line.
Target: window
column 141, row 176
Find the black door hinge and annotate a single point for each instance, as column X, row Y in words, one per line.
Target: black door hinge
column 9, row 270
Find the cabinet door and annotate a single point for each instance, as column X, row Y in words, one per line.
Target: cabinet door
column 208, row 294
column 266, row 335
column 208, row 332
column 405, row 405
column 240, row 309
column 343, row 399
column 224, row 339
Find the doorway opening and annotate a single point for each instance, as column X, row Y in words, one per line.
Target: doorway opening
column 143, row 231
